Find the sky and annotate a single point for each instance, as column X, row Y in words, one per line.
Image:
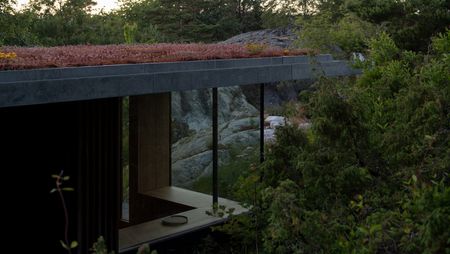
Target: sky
column 106, row 4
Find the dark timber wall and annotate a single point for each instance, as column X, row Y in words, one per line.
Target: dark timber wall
column 150, row 127
column 80, row 138
column 99, row 171
column 150, row 117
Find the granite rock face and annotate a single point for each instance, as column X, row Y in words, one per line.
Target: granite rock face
column 238, row 113
column 192, row 146
column 279, row 37
column 194, row 108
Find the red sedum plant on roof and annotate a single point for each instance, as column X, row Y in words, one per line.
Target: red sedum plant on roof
column 87, row 55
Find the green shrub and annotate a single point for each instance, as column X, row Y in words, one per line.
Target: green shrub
column 371, row 175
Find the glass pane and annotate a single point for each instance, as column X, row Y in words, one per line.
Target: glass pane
column 239, row 135
column 192, row 140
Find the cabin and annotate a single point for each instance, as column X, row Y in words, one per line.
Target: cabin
column 69, row 116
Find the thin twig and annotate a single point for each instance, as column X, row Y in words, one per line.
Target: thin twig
column 66, row 214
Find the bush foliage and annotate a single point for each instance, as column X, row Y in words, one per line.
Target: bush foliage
column 371, row 175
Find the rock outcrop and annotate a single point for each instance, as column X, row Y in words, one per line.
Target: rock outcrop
column 238, row 116
column 280, row 37
column 192, row 150
column 195, row 107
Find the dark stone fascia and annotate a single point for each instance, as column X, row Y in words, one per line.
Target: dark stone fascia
column 126, row 69
column 188, row 76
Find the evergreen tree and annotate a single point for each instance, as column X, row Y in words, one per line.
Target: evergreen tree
column 195, row 20
column 61, row 22
column 410, row 23
column 15, row 26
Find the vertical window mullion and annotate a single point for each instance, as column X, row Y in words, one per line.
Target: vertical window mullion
column 261, row 123
column 215, row 137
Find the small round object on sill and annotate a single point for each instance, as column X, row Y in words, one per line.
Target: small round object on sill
column 174, row 220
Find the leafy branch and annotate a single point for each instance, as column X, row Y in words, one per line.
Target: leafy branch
column 59, row 179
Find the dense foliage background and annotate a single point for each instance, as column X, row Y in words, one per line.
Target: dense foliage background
column 345, row 23
column 372, row 174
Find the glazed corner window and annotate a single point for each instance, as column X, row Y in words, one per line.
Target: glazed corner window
column 146, row 162
column 168, row 158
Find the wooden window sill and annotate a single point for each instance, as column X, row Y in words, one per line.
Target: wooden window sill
column 154, row 231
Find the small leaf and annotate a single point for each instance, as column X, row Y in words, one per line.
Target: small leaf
column 53, row 190
column 414, row 178
column 55, row 176
column 380, row 126
column 363, row 230
column 429, row 138
column 73, row 244
column 68, row 189
column 64, row 245
column 66, row 178
column 375, row 228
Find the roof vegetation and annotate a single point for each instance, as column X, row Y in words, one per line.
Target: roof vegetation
column 89, row 55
